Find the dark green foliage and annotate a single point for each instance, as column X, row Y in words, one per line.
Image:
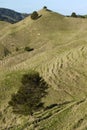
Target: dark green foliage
column 17, row 49
column 45, row 7
column 34, row 15
column 78, row 124
column 1, row 115
column 6, row 52
column 28, row 49
column 80, row 16
column 51, row 106
column 77, row 16
column 74, row 15
column 28, row 98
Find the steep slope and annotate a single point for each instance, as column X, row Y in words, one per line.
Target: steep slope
column 11, row 16
column 60, row 55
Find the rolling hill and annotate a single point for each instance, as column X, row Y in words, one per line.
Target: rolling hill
column 11, row 16
column 60, row 56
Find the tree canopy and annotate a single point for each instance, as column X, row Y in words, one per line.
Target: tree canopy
column 73, row 15
column 28, row 98
column 34, row 15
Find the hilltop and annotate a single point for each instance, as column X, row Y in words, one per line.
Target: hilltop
column 11, row 16
column 60, row 56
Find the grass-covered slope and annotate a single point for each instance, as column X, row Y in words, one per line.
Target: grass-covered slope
column 3, row 49
column 11, row 16
column 60, row 56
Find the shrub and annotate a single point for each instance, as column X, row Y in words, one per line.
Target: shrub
column 17, row 49
column 1, row 115
column 34, row 15
column 28, row 98
column 45, row 7
column 28, row 49
column 51, row 106
column 6, row 52
column 73, row 15
column 80, row 16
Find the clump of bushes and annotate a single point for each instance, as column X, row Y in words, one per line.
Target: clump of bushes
column 80, row 16
column 17, row 49
column 28, row 49
column 77, row 16
column 51, row 106
column 28, row 97
column 0, row 114
column 6, row 52
column 34, row 15
column 45, row 7
column 74, row 15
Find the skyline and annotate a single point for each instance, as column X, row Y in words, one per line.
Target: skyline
column 63, row 7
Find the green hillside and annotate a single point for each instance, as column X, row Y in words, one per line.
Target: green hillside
column 60, row 56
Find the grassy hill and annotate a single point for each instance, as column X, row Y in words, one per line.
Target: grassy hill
column 11, row 16
column 60, row 55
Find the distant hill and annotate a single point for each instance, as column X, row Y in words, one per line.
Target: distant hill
column 11, row 16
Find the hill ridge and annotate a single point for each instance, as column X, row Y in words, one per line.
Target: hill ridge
column 11, row 16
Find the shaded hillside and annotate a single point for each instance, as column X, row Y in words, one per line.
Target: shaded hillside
column 60, row 56
column 11, row 16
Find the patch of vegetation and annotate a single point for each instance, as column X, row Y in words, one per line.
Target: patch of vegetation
column 74, row 15
column 51, row 106
column 78, row 124
column 28, row 49
column 17, row 49
column 28, row 98
column 81, row 101
column 34, row 15
column 0, row 115
column 6, row 51
column 45, row 7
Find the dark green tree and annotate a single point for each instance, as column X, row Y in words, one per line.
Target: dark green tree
column 28, row 48
column 34, row 15
column 6, row 52
column 45, row 7
column 28, row 98
column 74, row 15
